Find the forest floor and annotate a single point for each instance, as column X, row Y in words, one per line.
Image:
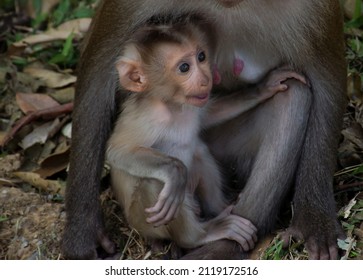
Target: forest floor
column 38, row 56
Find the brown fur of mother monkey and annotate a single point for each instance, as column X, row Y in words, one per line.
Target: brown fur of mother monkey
column 288, row 142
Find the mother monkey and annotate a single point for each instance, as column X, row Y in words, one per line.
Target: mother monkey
column 289, row 141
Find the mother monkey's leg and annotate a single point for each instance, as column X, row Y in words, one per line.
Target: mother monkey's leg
column 265, row 144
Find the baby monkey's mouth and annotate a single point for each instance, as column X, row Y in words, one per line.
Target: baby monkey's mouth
column 198, row 100
column 201, row 96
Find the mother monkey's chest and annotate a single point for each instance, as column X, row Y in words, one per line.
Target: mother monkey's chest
column 241, row 58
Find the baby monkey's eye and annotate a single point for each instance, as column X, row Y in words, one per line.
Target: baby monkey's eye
column 202, row 56
column 184, row 68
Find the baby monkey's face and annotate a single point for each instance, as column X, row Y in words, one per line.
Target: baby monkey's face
column 188, row 67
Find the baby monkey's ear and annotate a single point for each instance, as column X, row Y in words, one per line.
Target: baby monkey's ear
column 130, row 71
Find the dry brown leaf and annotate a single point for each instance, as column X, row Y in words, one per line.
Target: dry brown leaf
column 65, row 95
column 52, row 79
column 41, row 38
column 54, row 163
column 39, row 135
column 34, row 179
column 347, row 210
column 30, row 102
column 77, row 26
column 354, row 134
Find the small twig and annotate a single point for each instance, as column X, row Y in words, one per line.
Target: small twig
column 347, row 170
column 128, row 242
column 349, row 186
column 5, row 182
column 49, row 113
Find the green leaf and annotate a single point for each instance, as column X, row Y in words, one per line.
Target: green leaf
column 83, row 12
column 20, row 61
column 359, row 170
column 358, row 9
column 60, row 13
column 37, row 5
column 39, row 19
column 68, row 45
column 66, row 56
column 3, row 218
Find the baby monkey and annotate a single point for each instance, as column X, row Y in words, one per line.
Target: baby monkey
column 162, row 172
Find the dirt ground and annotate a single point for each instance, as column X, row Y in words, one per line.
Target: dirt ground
column 32, row 226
